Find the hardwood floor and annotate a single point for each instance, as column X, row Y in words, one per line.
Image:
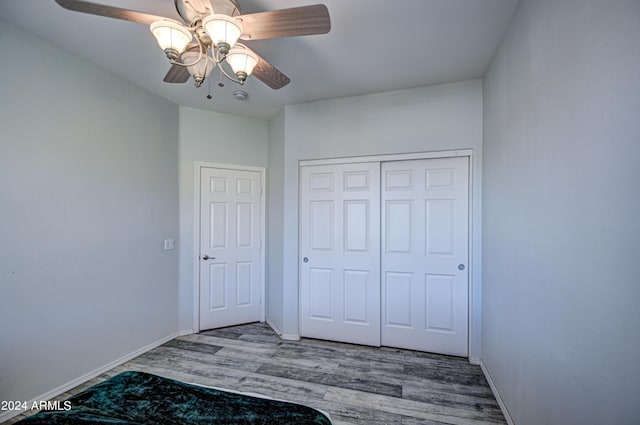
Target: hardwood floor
column 354, row 384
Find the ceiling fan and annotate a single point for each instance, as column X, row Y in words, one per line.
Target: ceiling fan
column 210, row 33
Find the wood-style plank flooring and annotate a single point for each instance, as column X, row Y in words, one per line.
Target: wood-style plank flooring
column 354, row 384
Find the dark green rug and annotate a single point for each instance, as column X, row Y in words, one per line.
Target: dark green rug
column 141, row 398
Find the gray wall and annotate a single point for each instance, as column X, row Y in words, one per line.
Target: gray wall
column 210, row 137
column 443, row 117
column 562, row 213
column 88, row 192
column 275, row 222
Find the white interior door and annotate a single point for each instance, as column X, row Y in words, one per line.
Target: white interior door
column 340, row 252
column 425, row 207
column 230, row 247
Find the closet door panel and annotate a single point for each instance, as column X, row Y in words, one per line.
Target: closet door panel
column 340, row 252
column 425, row 208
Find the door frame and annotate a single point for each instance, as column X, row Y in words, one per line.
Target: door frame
column 474, row 231
column 199, row 165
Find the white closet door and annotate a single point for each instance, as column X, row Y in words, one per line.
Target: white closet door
column 340, row 252
column 425, row 207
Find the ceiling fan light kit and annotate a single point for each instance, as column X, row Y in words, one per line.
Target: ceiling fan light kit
column 171, row 37
column 224, row 31
column 242, row 61
column 216, row 35
column 201, row 68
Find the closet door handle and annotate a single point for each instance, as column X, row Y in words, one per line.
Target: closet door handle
column 206, row 257
column 305, row 259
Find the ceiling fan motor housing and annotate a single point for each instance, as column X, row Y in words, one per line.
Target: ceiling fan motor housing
column 193, row 10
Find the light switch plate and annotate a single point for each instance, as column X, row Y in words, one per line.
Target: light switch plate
column 168, row 244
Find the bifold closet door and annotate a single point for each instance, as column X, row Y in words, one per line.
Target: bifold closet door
column 340, row 252
column 425, row 208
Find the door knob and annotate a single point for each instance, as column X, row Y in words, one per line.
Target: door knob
column 460, row 266
column 206, row 257
column 305, row 259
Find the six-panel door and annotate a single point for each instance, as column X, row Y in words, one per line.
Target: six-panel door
column 340, row 246
column 230, row 216
column 424, row 279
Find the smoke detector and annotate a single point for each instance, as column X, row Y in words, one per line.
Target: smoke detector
column 240, row 94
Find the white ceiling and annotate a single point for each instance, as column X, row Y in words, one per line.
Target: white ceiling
column 373, row 46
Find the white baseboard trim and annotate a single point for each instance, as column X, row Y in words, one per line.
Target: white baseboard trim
column 87, row 376
column 290, row 337
column 286, row 337
column 496, row 394
column 274, row 327
column 474, row 360
column 186, row 332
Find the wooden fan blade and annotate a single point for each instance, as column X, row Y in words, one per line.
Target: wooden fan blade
column 269, row 74
column 109, row 11
column 305, row 20
column 177, row 74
